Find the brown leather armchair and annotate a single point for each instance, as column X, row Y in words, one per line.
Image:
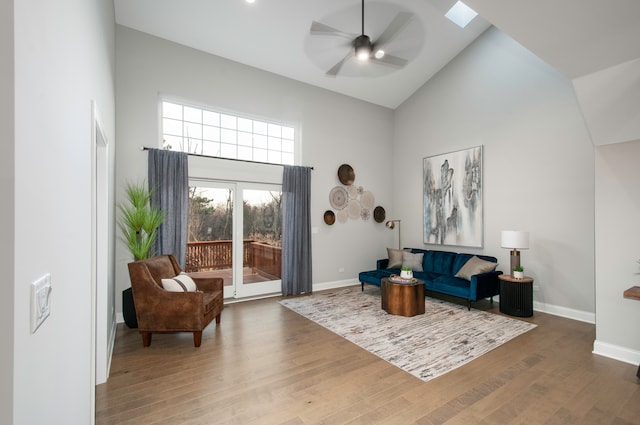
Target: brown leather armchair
column 158, row 310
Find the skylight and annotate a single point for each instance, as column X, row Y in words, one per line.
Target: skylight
column 461, row 14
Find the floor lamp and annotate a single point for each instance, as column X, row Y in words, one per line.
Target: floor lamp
column 515, row 240
column 391, row 224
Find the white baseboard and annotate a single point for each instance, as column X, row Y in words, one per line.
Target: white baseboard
column 616, row 352
column 569, row 313
column 335, row 284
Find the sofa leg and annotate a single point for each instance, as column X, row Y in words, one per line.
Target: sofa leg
column 146, row 338
column 469, row 305
column 197, row 338
column 362, row 283
column 491, row 300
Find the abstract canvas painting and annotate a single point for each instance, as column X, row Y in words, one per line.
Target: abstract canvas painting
column 452, row 198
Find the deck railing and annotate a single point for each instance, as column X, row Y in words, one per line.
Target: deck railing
column 216, row 255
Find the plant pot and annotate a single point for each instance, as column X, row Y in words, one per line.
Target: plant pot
column 129, row 309
column 518, row 275
column 406, row 274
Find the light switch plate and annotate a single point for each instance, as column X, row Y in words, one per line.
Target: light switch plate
column 40, row 301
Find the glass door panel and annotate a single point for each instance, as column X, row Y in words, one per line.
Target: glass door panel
column 210, row 232
column 262, row 240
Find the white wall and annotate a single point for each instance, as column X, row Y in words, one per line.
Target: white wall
column 617, row 252
column 64, row 59
column 538, row 163
column 7, row 216
column 335, row 129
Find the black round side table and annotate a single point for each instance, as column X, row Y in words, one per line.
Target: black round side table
column 516, row 296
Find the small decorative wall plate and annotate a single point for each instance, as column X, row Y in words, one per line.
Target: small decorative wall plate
column 329, row 217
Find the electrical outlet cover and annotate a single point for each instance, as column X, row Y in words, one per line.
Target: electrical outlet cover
column 40, row 301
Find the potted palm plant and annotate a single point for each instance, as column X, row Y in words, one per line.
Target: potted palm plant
column 139, row 221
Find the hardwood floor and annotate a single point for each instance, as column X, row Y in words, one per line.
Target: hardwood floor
column 265, row 364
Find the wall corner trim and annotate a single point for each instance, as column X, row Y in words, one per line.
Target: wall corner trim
column 616, row 352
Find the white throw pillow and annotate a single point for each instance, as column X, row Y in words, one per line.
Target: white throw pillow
column 475, row 265
column 180, row 283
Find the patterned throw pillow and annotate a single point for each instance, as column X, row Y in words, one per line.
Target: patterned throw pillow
column 180, row 283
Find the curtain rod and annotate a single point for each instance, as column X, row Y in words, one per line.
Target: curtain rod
column 145, row 148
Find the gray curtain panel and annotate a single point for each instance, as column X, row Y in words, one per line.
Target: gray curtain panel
column 169, row 185
column 296, row 230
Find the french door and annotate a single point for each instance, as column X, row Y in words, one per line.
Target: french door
column 235, row 232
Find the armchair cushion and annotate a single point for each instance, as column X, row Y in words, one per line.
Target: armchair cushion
column 179, row 283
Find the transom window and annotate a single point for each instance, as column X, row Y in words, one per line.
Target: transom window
column 206, row 132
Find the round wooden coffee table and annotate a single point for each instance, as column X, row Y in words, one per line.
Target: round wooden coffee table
column 402, row 299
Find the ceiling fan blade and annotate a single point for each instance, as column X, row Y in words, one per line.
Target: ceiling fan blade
column 336, row 68
column 318, row 28
column 390, row 60
column 399, row 22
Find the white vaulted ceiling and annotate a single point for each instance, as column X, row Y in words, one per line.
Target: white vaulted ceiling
column 273, row 35
column 594, row 43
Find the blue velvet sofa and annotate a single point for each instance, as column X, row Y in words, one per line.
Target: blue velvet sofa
column 439, row 275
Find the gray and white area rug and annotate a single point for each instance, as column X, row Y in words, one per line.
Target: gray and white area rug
column 447, row 336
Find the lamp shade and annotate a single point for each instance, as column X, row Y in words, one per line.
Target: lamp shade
column 515, row 239
column 391, row 224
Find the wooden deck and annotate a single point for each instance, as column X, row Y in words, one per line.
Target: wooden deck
column 248, row 276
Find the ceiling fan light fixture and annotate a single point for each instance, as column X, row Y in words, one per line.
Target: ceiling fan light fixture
column 363, row 47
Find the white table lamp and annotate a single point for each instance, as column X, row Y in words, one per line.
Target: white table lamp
column 515, row 240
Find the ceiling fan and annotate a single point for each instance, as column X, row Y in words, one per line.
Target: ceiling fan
column 361, row 47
